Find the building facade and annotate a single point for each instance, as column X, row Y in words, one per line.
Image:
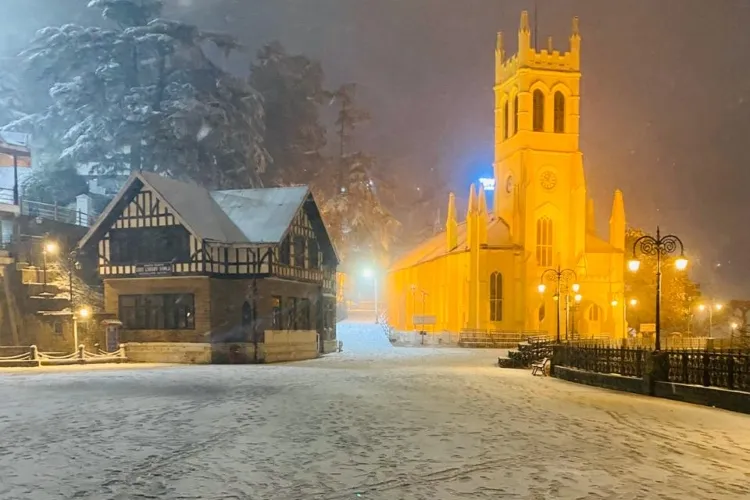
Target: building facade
column 200, row 276
column 484, row 273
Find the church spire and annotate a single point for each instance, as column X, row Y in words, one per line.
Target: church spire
column 524, row 37
column 451, row 225
column 590, row 218
column 483, row 218
column 499, row 48
column 617, row 222
column 575, row 44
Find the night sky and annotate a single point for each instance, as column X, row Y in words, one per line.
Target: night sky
column 665, row 94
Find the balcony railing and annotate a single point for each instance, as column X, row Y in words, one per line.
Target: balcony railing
column 48, row 211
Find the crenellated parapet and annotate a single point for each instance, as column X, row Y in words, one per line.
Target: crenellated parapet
column 531, row 57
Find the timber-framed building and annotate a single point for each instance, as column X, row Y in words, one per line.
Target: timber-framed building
column 213, row 276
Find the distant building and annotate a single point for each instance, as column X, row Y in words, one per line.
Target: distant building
column 483, row 273
column 216, row 276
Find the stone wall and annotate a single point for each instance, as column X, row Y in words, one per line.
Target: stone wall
column 330, row 346
column 289, row 346
column 279, row 346
column 168, row 352
column 654, row 383
column 615, row 382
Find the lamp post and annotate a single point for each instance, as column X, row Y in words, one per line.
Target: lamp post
column 710, row 307
column 576, row 301
column 561, row 278
column 81, row 315
column 369, row 273
column 631, row 303
column 660, row 246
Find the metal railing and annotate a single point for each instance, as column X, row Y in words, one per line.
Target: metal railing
column 49, row 211
column 622, row 361
column 726, row 369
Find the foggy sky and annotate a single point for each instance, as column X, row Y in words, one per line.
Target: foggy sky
column 665, row 102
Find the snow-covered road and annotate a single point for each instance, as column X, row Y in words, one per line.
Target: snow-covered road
column 396, row 424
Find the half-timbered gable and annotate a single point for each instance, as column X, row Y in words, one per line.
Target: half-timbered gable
column 148, row 238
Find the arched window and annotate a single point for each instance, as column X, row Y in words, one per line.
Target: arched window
column 515, row 115
column 559, row 112
column 496, row 297
column 544, row 241
column 595, row 312
column 505, row 119
column 538, row 110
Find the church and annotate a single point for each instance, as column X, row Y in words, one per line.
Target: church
column 484, row 273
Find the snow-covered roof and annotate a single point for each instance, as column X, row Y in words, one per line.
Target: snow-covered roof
column 498, row 235
column 262, row 215
column 15, row 139
column 242, row 216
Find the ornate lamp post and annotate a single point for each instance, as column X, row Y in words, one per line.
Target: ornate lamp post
column 660, row 246
column 562, row 279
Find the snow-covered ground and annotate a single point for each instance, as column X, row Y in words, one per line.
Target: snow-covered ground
column 379, row 423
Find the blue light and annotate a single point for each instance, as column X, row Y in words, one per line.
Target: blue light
column 488, row 183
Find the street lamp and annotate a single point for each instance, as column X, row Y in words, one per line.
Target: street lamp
column 710, row 308
column 369, row 273
column 561, row 278
column 81, row 315
column 50, row 248
column 631, row 303
column 661, row 246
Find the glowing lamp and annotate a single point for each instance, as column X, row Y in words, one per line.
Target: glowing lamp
column 633, row 302
column 702, row 307
column 541, row 288
column 681, row 264
column 734, row 326
column 614, row 303
column 719, row 307
column 576, row 287
column 634, row 265
column 50, row 247
column 578, row 297
column 84, row 312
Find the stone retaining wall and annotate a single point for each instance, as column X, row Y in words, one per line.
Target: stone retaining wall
column 278, row 346
column 168, row 352
column 615, row 382
column 654, row 383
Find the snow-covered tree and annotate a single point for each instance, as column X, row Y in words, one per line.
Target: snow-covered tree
column 292, row 90
column 11, row 107
column 145, row 96
column 357, row 220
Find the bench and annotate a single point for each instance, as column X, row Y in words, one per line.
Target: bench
column 540, row 366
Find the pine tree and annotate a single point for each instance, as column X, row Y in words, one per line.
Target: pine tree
column 292, row 90
column 144, row 96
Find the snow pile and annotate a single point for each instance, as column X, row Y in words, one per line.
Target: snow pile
column 362, row 337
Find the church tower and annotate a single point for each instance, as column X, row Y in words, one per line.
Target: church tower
column 541, row 190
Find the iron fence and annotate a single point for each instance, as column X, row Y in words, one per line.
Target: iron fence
column 726, row 369
column 622, row 361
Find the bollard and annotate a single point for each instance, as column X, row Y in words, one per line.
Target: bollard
column 81, row 354
column 122, row 351
column 35, row 355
